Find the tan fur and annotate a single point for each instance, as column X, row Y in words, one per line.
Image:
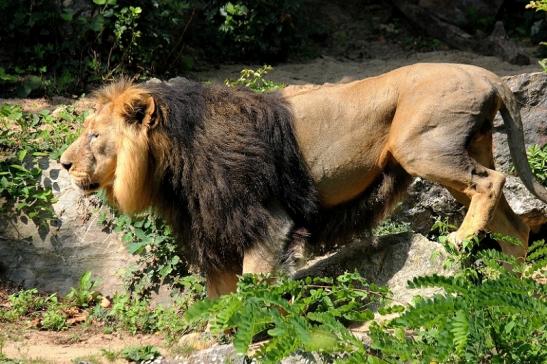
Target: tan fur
column 359, row 140
column 434, row 120
column 130, row 182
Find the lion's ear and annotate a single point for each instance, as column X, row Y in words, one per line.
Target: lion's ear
column 142, row 111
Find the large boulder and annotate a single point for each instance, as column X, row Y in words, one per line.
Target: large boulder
column 53, row 258
column 463, row 24
column 390, row 260
column 427, row 201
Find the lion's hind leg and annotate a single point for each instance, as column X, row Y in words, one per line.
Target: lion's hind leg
column 505, row 222
column 451, row 164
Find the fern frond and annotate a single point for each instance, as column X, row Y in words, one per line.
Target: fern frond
column 459, row 327
column 449, row 283
column 430, row 310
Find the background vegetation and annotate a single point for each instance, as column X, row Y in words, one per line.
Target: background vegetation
column 56, row 46
column 67, row 46
column 483, row 313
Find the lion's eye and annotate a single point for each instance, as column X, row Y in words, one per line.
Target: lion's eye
column 92, row 136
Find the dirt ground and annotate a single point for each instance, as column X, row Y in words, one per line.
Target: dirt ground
column 320, row 70
column 329, row 69
column 76, row 345
column 28, row 344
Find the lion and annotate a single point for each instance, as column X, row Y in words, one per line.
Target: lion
column 246, row 178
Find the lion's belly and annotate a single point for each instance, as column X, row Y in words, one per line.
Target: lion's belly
column 343, row 158
column 342, row 136
column 342, row 169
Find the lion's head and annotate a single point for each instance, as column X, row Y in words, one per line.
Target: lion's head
column 114, row 150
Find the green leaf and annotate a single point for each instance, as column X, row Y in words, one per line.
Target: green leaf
column 460, row 330
column 136, row 248
column 22, row 154
column 19, row 167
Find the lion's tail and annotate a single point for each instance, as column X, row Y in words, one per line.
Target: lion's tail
column 515, row 136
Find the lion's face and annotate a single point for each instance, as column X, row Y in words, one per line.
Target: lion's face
column 91, row 159
column 113, row 151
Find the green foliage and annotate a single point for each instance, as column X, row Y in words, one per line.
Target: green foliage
column 297, row 315
column 133, row 315
column 269, row 29
column 388, row 227
column 138, row 315
column 138, row 354
column 485, row 313
column 54, row 318
column 488, row 315
column 24, row 303
column 53, row 46
column 126, row 313
column 25, row 140
column 83, row 295
column 254, row 79
column 69, row 46
column 540, row 5
column 537, row 158
column 148, row 237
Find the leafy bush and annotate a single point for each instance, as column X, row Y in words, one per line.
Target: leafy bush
column 261, row 27
column 537, row 158
column 54, row 318
column 540, row 5
column 54, row 46
column 83, row 295
column 297, row 315
column 488, row 314
column 24, row 303
column 148, row 237
column 254, row 79
column 25, row 139
column 139, row 354
column 485, row 313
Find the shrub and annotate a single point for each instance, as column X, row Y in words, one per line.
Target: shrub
column 485, row 313
column 26, row 138
column 51, row 46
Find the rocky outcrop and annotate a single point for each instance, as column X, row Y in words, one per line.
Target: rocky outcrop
column 53, row 258
column 462, row 23
column 427, row 201
column 390, row 260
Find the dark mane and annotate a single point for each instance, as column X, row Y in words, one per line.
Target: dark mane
column 232, row 155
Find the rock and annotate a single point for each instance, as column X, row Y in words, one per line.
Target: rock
column 463, row 13
column 218, row 354
column 530, row 90
column 461, row 24
column 524, row 204
column 391, row 260
column 427, row 201
column 52, row 259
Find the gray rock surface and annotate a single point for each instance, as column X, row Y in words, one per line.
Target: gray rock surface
column 427, row 200
column 390, row 260
column 53, row 259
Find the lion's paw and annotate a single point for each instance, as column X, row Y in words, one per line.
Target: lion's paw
column 454, row 240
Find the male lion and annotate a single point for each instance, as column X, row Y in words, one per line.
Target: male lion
column 243, row 177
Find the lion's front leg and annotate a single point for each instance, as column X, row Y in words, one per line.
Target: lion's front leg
column 268, row 256
column 219, row 283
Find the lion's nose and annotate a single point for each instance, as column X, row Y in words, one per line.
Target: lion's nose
column 66, row 165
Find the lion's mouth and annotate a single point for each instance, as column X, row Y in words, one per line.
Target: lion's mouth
column 87, row 187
